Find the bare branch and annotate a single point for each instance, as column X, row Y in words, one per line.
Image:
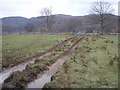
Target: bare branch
column 47, row 12
column 100, row 9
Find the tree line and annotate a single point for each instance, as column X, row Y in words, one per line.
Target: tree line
column 99, row 10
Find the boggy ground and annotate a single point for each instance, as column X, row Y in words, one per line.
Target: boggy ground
column 20, row 67
column 32, row 70
column 19, row 48
column 94, row 64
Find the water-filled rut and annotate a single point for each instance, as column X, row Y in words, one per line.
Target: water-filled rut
column 46, row 76
column 6, row 73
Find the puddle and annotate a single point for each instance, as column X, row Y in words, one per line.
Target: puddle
column 42, row 80
column 5, row 74
column 39, row 83
column 46, row 77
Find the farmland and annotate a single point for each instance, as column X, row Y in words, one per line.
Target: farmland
column 39, row 66
column 91, row 62
column 18, row 47
column 93, row 65
column 54, row 44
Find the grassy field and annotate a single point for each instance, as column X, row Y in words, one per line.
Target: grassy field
column 15, row 48
column 94, row 64
column 39, row 66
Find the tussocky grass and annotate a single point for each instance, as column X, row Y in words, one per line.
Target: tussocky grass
column 18, row 47
column 93, row 65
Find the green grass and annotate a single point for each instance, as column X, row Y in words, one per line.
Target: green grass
column 93, row 65
column 18, row 47
column 32, row 70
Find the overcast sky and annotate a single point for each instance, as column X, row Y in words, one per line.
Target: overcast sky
column 31, row 8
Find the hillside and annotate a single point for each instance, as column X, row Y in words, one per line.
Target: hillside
column 61, row 23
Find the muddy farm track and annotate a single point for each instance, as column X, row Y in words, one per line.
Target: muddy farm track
column 41, row 54
column 50, row 64
column 19, row 67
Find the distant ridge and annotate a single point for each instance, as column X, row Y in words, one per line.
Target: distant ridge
column 62, row 15
column 16, row 24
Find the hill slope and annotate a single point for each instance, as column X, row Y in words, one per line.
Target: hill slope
column 62, row 23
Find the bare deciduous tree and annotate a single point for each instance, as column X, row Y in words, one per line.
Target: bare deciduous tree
column 100, row 10
column 47, row 12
